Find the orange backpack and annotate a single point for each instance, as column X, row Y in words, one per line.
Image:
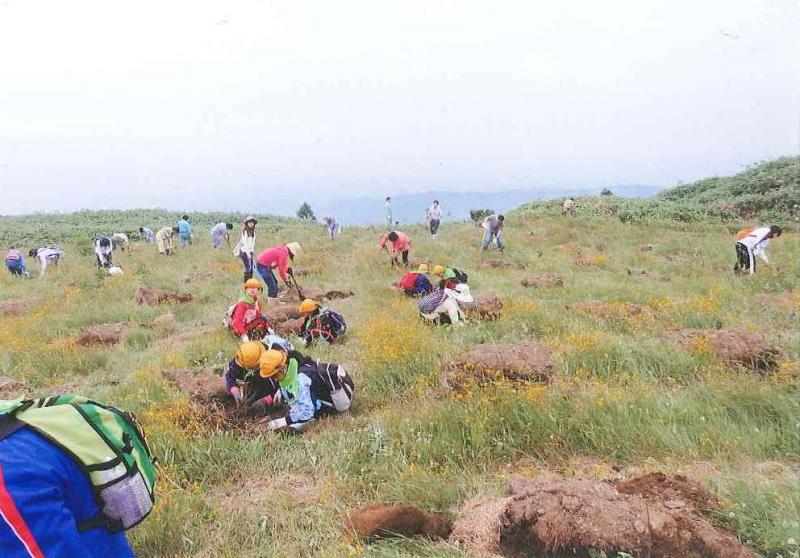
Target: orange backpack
column 743, row 233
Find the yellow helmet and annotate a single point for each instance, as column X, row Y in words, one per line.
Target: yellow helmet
column 423, row 268
column 248, row 354
column 438, row 270
column 270, row 361
column 308, row 306
column 250, row 283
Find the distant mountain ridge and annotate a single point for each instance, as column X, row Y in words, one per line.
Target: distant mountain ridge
column 411, row 208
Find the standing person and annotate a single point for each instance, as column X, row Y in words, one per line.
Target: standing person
column 46, row 256
column 568, row 207
column 185, row 231
column 148, row 235
column 164, row 238
column 280, row 257
column 387, row 210
column 751, row 244
column 400, row 245
column 434, row 217
column 219, row 232
column 74, row 474
column 15, row 263
column 103, row 249
column 246, row 319
column 493, row 225
column 310, row 388
column 333, row 226
column 246, row 247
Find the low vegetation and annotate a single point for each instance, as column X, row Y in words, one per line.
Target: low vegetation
column 622, row 398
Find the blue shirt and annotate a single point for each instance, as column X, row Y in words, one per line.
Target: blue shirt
column 184, row 228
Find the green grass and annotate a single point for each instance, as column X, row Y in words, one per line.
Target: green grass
column 623, row 395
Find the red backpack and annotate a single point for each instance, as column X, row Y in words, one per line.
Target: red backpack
column 408, row 281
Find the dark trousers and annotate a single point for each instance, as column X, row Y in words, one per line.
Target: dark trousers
column 247, row 260
column 743, row 259
column 269, row 279
column 435, row 226
column 404, row 253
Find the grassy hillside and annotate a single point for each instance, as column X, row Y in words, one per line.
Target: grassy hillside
column 83, row 227
column 768, row 192
column 624, row 399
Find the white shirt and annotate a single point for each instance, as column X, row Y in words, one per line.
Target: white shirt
column 246, row 244
column 219, row 229
column 434, row 211
column 757, row 240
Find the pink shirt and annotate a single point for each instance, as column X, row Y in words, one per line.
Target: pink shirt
column 277, row 256
column 400, row 245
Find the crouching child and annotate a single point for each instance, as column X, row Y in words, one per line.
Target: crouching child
column 311, row 389
column 320, row 323
column 247, row 375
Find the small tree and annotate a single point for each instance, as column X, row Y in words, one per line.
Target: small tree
column 478, row 215
column 305, row 212
column 606, row 192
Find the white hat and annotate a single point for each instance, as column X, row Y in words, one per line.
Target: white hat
column 294, row 248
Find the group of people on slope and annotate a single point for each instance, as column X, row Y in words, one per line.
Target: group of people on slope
column 440, row 303
column 48, row 256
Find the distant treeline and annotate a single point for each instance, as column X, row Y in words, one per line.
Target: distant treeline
column 78, row 227
column 767, row 192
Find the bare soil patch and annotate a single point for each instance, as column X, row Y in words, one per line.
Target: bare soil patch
column 288, row 327
column 658, row 487
column 16, row 307
column 165, row 320
column 732, row 346
column 544, row 281
column 153, row 297
column 547, row 515
column 485, row 307
column 102, row 334
column 11, row 388
column 489, row 362
column 397, row 520
column 291, row 296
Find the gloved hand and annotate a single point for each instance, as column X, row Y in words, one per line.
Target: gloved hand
column 277, row 424
column 261, row 403
column 237, row 394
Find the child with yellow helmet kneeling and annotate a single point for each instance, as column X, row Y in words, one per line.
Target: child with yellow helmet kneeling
column 242, row 378
column 320, row 322
column 310, row 388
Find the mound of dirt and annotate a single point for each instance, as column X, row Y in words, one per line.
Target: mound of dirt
column 658, row 487
column 102, row 334
column 204, row 386
column 15, row 307
column 544, row 281
column 485, row 307
column 549, row 515
column 397, row 520
column 282, row 313
column 488, row 362
column 165, row 320
column 732, row 346
column 292, row 296
column 152, row 297
column 288, row 327
column 10, row 388
column 501, row 264
column 198, row 276
column 605, row 310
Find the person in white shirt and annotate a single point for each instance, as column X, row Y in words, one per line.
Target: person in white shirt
column 434, row 217
column 568, row 207
column 754, row 244
column 103, row 248
column 246, row 247
column 387, row 211
column 46, row 256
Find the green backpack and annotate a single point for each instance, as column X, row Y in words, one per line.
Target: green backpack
column 107, row 443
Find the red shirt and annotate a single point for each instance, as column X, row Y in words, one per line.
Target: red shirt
column 247, row 317
column 400, row 245
column 277, row 256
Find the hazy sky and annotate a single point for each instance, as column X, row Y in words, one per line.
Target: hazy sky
column 198, row 104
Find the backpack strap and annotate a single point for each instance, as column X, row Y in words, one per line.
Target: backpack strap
column 100, row 521
column 8, row 425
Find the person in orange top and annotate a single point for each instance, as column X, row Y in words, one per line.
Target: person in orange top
column 247, row 321
column 399, row 245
